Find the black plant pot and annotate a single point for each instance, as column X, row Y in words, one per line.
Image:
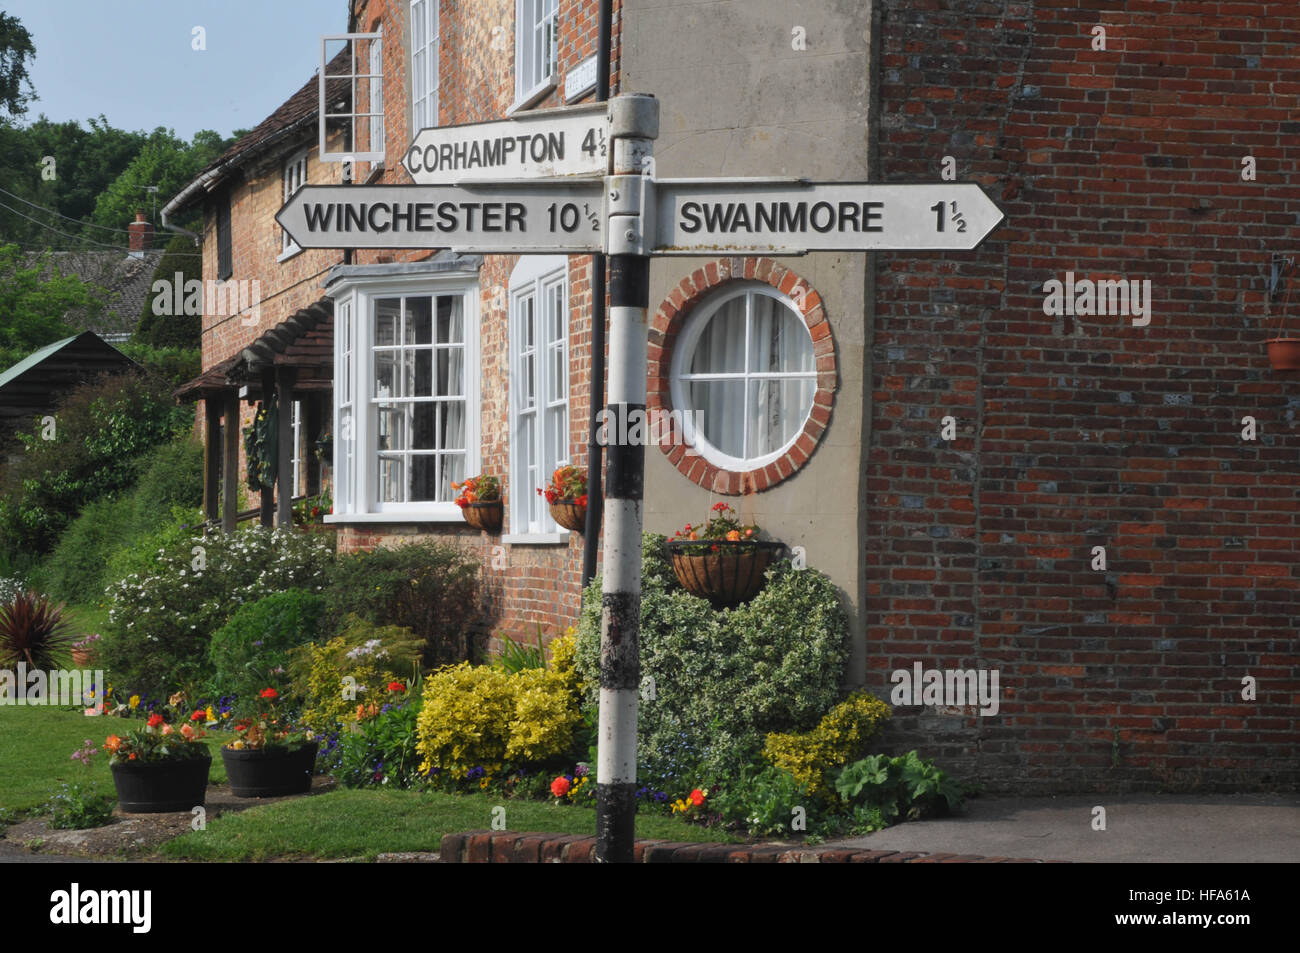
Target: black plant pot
column 272, row 773
column 158, row 787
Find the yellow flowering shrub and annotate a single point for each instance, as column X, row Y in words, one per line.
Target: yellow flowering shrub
column 838, row 738
column 483, row 716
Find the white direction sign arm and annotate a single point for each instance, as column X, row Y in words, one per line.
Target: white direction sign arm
column 702, row 216
column 483, row 219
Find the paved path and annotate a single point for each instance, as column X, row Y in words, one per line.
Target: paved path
column 1243, row 828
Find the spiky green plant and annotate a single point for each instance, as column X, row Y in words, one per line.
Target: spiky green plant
column 33, row 630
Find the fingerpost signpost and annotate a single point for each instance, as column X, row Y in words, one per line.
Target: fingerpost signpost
column 580, row 180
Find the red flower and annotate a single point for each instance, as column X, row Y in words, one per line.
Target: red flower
column 697, row 797
column 582, row 500
column 560, row 786
column 270, row 693
column 199, row 715
column 719, row 506
column 155, row 721
column 396, row 687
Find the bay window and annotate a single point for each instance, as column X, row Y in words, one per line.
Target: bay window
column 406, row 396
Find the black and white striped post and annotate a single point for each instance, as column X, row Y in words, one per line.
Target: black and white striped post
column 634, row 125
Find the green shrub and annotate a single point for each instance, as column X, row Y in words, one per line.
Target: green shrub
column 839, row 737
column 161, row 618
column 77, row 570
column 79, row 806
column 140, row 551
column 336, row 679
column 171, row 476
column 251, row 651
column 880, row 790
column 723, row 679
column 430, row 588
column 175, row 365
column 766, row 801
column 102, row 429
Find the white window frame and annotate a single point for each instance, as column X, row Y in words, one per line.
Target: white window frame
column 534, row 278
column 294, row 177
column 533, row 18
column 376, row 107
column 684, row 349
column 356, row 459
column 352, row 74
column 425, row 101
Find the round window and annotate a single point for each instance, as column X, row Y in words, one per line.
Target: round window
column 744, row 367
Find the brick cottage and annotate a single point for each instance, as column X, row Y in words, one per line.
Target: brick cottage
column 996, row 482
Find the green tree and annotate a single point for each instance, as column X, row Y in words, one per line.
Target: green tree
column 163, row 161
column 172, row 330
column 33, row 301
column 15, row 50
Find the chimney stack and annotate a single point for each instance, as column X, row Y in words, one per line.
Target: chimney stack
column 141, row 235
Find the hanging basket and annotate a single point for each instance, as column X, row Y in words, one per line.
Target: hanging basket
column 485, row 516
column 726, row 573
column 569, row 514
column 1284, row 354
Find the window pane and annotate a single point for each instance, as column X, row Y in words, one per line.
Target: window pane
column 450, row 418
column 451, row 321
column 777, row 411
column 451, row 371
column 390, row 479
column 555, row 383
column 557, row 435
column 528, row 386
column 386, row 382
column 778, row 339
column 424, row 478
column 419, row 321
column 392, row 427
column 721, row 407
column 720, row 348
column 388, row 317
column 424, row 436
column 419, row 373
column 453, row 470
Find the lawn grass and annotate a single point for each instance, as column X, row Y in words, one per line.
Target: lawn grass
column 36, row 745
column 362, row 823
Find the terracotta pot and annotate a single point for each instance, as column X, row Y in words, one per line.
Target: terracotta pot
column 83, row 658
column 485, row 516
column 1284, row 354
column 725, row 573
column 269, row 773
column 570, row 515
column 158, row 787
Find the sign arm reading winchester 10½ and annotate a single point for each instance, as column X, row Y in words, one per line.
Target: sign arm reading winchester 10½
column 544, row 184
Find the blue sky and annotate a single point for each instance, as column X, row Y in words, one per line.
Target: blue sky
column 133, row 61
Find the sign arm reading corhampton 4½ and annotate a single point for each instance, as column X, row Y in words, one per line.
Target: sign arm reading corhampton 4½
column 478, row 191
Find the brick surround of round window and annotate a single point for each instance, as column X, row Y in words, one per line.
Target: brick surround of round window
column 668, row 322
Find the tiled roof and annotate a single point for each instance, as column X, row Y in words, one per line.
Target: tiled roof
column 304, row 341
column 124, row 281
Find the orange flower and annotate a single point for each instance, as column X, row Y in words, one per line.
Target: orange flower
column 187, row 732
column 112, row 743
column 734, row 536
column 560, row 786
column 697, row 797
column 168, row 729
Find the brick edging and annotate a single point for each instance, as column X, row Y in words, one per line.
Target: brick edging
column 667, row 322
column 532, row 847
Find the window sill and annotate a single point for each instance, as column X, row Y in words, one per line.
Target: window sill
column 394, row 518
column 287, row 254
column 534, row 95
column 536, row 539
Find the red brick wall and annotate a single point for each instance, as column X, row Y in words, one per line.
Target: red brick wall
column 1075, row 432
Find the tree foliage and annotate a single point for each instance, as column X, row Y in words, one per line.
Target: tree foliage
column 15, row 50
column 34, row 298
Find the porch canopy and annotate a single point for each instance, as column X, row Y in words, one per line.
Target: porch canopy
column 295, row 358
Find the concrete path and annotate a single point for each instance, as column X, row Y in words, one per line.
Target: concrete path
column 1175, row 828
